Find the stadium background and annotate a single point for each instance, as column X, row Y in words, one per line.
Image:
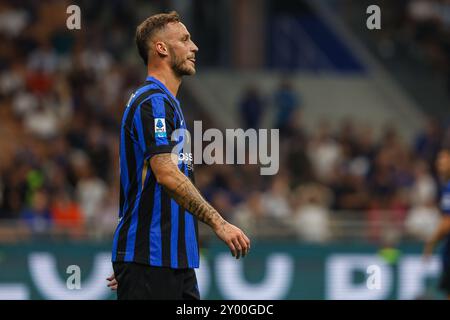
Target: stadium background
column 361, row 114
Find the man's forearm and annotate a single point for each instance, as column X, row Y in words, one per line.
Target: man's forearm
column 187, row 195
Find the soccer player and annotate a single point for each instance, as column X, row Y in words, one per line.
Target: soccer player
column 155, row 246
column 443, row 230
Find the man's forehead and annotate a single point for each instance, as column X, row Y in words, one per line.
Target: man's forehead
column 175, row 29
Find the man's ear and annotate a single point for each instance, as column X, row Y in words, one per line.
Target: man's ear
column 161, row 48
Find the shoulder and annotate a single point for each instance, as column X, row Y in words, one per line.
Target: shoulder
column 154, row 106
column 149, row 97
column 144, row 93
column 157, row 103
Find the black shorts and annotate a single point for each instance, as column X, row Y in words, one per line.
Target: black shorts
column 143, row 282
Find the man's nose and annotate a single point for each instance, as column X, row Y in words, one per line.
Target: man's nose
column 194, row 47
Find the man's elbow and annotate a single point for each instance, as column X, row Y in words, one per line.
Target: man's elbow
column 164, row 170
column 167, row 178
column 162, row 178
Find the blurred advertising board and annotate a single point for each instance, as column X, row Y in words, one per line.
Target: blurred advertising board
column 273, row 270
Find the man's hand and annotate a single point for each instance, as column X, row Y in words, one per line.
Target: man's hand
column 235, row 239
column 112, row 282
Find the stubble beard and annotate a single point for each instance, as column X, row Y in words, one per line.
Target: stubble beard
column 179, row 66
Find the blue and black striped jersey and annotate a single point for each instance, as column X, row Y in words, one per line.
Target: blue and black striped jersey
column 153, row 229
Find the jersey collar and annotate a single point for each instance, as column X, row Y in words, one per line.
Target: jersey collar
column 163, row 87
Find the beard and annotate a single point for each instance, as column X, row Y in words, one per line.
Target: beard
column 180, row 65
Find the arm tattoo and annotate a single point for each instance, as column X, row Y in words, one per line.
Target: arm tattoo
column 186, row 194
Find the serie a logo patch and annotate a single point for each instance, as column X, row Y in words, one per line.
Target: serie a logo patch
column 160, row 128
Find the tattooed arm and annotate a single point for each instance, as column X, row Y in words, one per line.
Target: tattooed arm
column 187, row 195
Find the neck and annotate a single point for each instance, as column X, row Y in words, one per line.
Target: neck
column 167, row 77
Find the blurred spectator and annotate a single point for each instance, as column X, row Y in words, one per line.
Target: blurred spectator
column 12, row 79
column 288, row 107
column 325, row 153
column 75, row 134
column 418, row 31
column 42, row 122
column 251, row 108
column 311, row 218
column 97, row 59
column 98, row 151
column 424, row 189
column 90, row 189
column 350, row 192
column 14, row 191
column 66, row 213
column 386, row 215
column 24, row 103
column 250, row 214
column 13, row 21
column 428, row 142
column 275, row 200
column 221, row 202
column 422, row 10
column 422, row 221
column 294, row 157
column 37, row 216
column 43, row 59
column 106, row 218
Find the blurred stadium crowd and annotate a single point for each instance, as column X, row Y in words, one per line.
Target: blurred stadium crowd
column 417, row 30
column 62, row 96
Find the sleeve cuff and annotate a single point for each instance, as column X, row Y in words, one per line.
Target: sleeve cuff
column 167, row 148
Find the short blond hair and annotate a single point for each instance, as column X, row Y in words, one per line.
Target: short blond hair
column 146, row 30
